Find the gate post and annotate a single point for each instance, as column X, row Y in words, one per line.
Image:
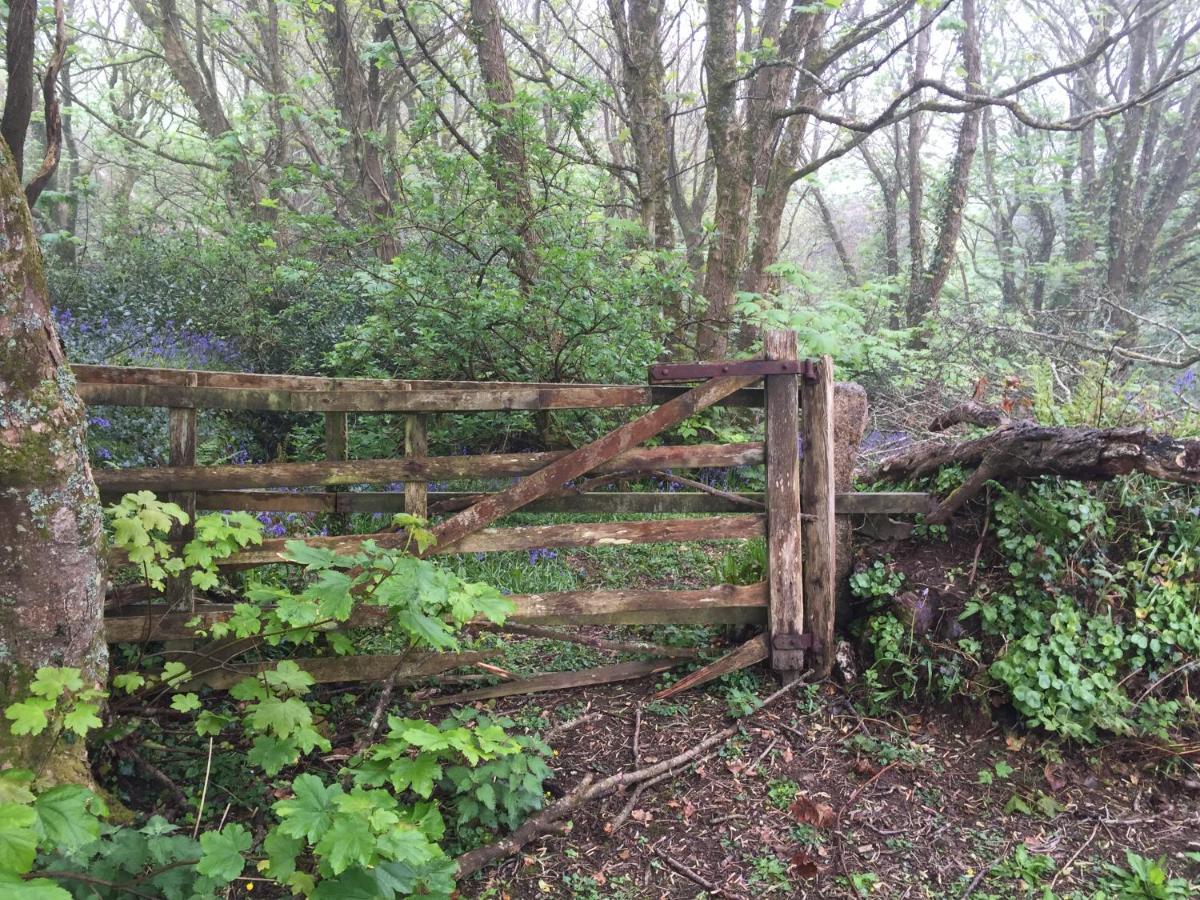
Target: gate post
column 416, row 443
column 337, row 449
column 181, row 433
column 817, row 500
column 785, row 616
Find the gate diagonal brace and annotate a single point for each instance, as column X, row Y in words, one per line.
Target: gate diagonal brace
column 664, row 373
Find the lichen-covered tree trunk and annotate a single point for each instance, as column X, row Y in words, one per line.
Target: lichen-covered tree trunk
column 51, row 595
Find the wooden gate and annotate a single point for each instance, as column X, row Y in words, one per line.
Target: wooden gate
column 796, row 513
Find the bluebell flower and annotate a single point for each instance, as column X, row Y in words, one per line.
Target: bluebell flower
column 100, row 422
column 104, row 453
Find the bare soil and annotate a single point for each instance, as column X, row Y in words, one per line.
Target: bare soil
column 814, row 800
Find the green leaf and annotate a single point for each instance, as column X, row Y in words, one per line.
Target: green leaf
column 309, row 813
column 65, row 817
column 221, row 852
column 29, row 717
column 128, row 681
column 283, row 717
column 210, row 724
column 420, row 773
column 14, row 786
column 18, row 840
column 82, row 719
column 312, row 558
column 52, row 682
column 348, row 842
column 288, row 676
column 332, row 592
column 175, row 671
column 281, row 850
column 271, row 754
column 14, row 888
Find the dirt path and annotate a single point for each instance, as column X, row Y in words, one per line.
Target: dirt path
column 813, row 800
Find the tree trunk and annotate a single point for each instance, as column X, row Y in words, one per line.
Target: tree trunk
column 927, row 282
column 51, row 587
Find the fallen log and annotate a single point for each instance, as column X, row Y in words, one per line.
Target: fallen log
column 1022, row 449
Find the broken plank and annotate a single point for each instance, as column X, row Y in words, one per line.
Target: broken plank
column 559, row 681
column 747, row 654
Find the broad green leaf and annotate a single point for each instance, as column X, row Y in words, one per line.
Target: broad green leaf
column 18, row 839
column 271, row 753
column 221, row 852
column 348, row 842
column 309, row 813
column 288, row 676
column 185, row 703
column 13, row 887
column 82, row 719
column 52, row 682
column 29, row 716
column 65, row 817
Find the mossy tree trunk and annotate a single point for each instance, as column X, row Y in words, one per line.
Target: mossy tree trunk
column 51, row 587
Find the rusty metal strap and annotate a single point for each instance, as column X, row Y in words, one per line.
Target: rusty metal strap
column 662, row 373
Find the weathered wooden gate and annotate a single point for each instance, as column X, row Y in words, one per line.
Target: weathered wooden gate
column 796, row 512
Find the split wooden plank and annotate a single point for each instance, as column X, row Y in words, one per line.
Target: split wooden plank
column 382, row 471
column 724, row 604
column 140, row 386
column 330, row 669
column 587, row 458
column 721, row 604
column 613, row 502
column 784, row 565
column 817, row 499
column 560, row 681
column 529, row 537
column 750, row 653
column 416, row 443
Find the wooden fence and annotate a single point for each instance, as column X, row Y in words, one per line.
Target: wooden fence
column 795, row 513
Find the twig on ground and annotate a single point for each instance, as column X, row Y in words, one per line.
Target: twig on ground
column 982, row 873
column 1070, row 862
column 680, row 869
column 582, row 719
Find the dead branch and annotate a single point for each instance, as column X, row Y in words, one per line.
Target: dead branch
column 1028, row 450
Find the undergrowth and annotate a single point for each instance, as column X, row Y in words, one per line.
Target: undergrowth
column 1085, row 617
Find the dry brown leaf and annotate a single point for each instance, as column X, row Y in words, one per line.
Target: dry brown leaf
column 1054, row 777
column 804, row 865
column 806, row 812
column 641, row 815
column 864, row 766
column 1014, row 743
column 689, row 810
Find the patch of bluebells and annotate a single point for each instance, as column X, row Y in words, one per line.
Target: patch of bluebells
column 126, row 341
column 286, row 524
column 1185, row 382
column 541, row 553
